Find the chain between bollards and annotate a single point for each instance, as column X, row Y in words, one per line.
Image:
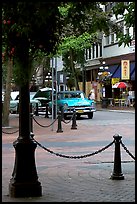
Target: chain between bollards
column 117, row 171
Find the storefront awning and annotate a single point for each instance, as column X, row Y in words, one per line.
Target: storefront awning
column 132, row 71
column 132, row 77
column 115, row 70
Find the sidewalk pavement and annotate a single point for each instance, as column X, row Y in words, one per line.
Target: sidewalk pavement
column 73, row 180
column 116, row 108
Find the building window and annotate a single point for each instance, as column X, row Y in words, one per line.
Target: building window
column 127, row 31
column 107, row 40
column 121, row 25
column 100, row 48
column 93, row 51
column 133, row 33
column 86, row 54
column 96, row 50
column 89, row 57
column 112, row 38
column 109, row 6
column 126, row 3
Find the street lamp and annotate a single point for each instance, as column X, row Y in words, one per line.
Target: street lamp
column 104, row 77
column 48, row 79
column 33, row 86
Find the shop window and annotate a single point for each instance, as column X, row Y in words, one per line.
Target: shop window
column 88, row 75
column 94, row 73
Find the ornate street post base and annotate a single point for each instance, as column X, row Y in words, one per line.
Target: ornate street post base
column 117, row 171
column 117, row 176
column 24, row 181
column 24, row 189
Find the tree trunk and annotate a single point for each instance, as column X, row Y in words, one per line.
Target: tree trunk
column 6, row 104
column 24, row 181
column 73, row 70
column 84, row 78
column 24, row 97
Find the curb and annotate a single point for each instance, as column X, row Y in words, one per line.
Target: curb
column 120, row 111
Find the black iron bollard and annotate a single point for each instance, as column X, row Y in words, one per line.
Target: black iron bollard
column 62, row 112
column 74, row 121
column 46, row 114
column 59, row 123
column 24, row 181
column 117, row 172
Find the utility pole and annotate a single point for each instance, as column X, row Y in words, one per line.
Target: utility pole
column 84, row 78
column 54, row 89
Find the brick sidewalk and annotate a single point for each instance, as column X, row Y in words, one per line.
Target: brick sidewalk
column 73, row 180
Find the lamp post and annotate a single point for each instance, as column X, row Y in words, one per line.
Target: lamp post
column 48, row 79
column 103, row 77
column 33, row 86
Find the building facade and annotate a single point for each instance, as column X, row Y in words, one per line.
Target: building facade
column 109, row 52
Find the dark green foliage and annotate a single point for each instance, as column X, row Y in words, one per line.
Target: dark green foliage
column 38, row 23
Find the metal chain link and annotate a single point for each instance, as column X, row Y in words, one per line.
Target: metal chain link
column 45, row 125
column 74, row 157
column 127, row 150
column 10, row 132
column 66, row 122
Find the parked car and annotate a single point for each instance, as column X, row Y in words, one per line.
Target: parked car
column 34, row 102
column 14, row 102
column 74, row 100
column 2, row 99
column 44, row 95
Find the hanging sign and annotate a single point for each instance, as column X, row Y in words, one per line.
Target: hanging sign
column 125, row 69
